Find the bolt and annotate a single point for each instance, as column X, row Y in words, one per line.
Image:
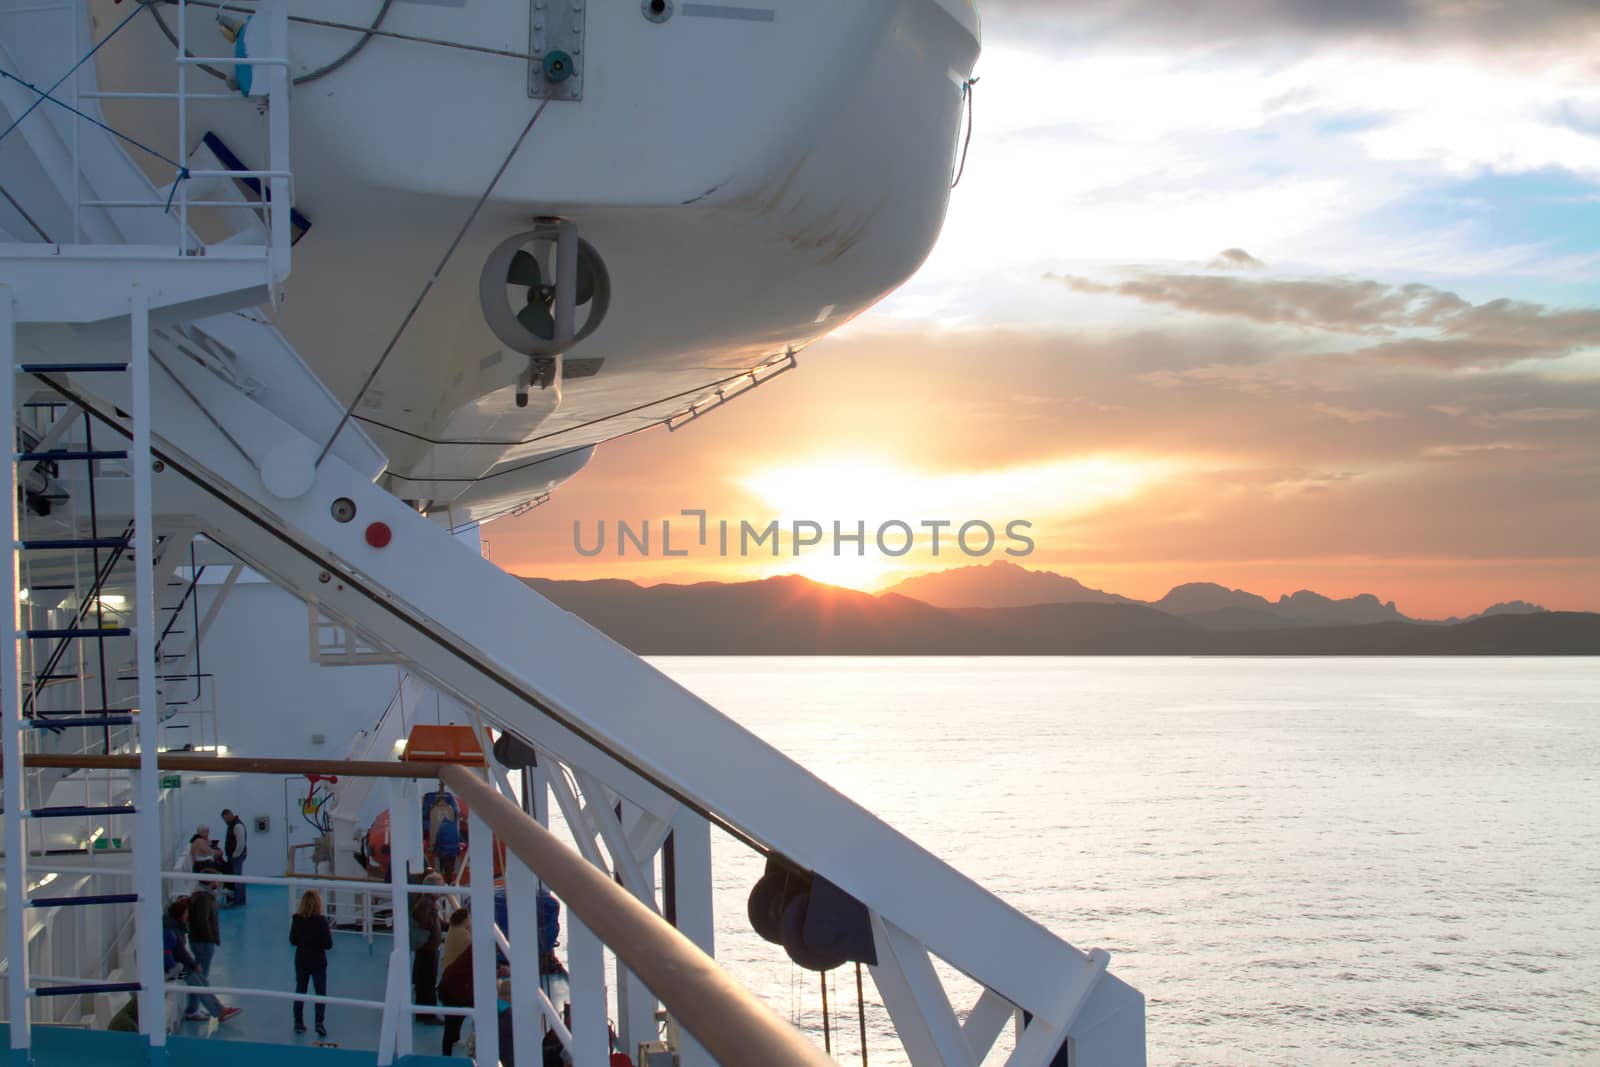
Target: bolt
column 158, row 466
column 324, row 577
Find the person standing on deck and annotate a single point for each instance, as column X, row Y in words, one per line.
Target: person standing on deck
column 235, row 847
column 455, row 991
column 204, row 937
column 443, row 827
column 175, row 956
column 457, row 937
column 311, row 937
column 427, row 934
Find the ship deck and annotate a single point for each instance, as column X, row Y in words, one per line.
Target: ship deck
column 255, row 952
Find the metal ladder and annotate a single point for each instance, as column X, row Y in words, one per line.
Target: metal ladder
column 21, row 816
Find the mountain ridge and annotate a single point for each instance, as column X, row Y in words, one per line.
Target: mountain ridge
column 790, row 615
column 1005, row 584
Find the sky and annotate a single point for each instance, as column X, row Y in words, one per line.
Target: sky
column 1279, row 294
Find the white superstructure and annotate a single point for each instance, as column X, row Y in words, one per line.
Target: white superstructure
column 524, row 228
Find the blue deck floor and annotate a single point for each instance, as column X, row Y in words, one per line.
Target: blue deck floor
column 255, row 952
column 65, row 1046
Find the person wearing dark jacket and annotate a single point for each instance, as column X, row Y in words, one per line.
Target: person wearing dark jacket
column 311, row 937
column 204, row 936
column 235, row 847
column 175, row 955
column 427, row 934
column 455, row 991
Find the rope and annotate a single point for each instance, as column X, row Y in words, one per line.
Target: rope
column 45, row 95
column 350, row 53
column 367, row 32
column 966, row 92
column 428, row 286
column 827, row 1031
column 861, row 1014
column 20, row 210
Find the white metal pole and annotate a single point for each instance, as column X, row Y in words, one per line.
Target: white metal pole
column 485, row 1016
column 278, row 147
column 405, row 857
column 636, row 1004
column 147, row 841
column 397, row 1011
column 691, row 838
column 586, row 978
column 180, row 187
column 11, row 693
column 522, row 898
column 77, row 150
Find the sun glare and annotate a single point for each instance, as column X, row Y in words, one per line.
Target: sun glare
column 874, row 489
column 867, row 573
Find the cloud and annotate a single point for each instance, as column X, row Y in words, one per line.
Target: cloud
column 1353, row 416
column 1408, row 22
column 1538, row 415
column 1418, row 324
column 1235, row 259
column 1459, row 451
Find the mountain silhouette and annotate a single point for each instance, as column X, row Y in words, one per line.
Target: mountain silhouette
column 794, row 616
column 1200, row 598
column 1000, row 585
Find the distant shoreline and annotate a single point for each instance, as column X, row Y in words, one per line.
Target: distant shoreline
column 791, row 616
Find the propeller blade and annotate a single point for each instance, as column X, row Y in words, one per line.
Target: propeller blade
column 524, row 271
column 585, row 283
column 537, row 320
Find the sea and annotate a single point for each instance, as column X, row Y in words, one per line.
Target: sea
column 1298, row 861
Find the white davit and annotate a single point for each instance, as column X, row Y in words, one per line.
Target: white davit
column 744, row 177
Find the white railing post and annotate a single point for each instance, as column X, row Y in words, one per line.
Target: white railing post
column 181, row 187
column 278, row 147
column 397, row 1019
column 405, row 857
column 147, row 838
column 691, row 866
column 11, row 693
column 485, row 1015
column 586, row 978
column 522, row 897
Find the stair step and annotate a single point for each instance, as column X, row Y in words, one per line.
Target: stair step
column 73, row 542
column 73, row 368
column 84, row 901
column 84, row 989
column 75, row 810
column 60, row 722
column 79, row 631
column 52, row 456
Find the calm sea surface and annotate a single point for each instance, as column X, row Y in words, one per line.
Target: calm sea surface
column 1297, row 860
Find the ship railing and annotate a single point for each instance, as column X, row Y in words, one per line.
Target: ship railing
column 730, row 1022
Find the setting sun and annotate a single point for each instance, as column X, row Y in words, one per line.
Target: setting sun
column 876, row 489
